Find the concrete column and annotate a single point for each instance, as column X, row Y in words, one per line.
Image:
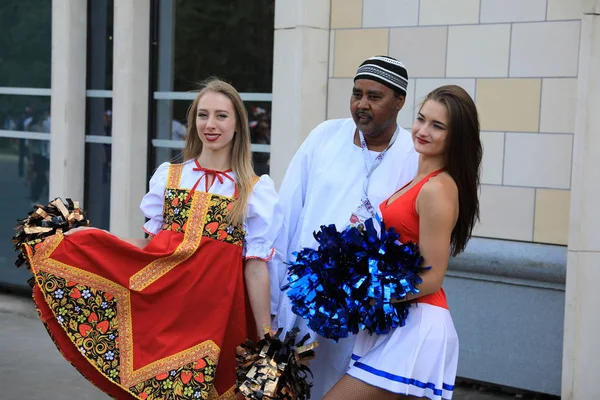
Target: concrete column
column 300, row 69
column 130, row 116
column 67, row 107
column 581, row 351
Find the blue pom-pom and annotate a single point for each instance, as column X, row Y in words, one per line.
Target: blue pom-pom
column 393, row 273
column 320, row 283
column 348, row 283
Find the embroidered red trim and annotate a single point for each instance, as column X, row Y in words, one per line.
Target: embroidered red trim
column 150, row 234
column 271, row 254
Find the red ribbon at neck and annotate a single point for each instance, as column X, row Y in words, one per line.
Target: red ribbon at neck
column 208, row 173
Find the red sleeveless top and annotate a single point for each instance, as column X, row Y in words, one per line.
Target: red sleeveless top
column 401, row 214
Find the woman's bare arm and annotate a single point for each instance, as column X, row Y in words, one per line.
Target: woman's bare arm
column 437, row 206
column 257, row 283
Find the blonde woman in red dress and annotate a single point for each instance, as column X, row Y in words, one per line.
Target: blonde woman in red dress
column 160, row 318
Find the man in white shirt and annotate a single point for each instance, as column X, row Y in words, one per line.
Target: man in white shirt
column 340, row 175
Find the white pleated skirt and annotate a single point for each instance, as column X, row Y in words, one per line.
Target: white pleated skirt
column 418, row 359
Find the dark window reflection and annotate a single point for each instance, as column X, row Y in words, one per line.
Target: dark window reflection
column 196, row 39
column 99, row 116
column 231, row 39
column 97, row 184
column 100, row 44
column 98, row 162
column 28, row 114
column 260, row 134
column 99, row 112
column 24, row 176
column 25, row 43
column 38, row 159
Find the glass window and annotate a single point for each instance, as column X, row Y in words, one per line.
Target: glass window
column 259, row 116
column 25, row 43
column 24, row 162
column 232, row 40
column 98, row 161
column 99, row 112
column 97, row 188
column 100, row 44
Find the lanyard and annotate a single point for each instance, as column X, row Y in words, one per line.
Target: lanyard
column 371, row 166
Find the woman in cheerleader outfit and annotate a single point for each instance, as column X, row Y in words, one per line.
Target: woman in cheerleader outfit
column 437, row 210
column 160, row 318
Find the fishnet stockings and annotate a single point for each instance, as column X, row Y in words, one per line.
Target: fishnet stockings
column 349, row 388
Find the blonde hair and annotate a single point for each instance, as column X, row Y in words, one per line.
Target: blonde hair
column 241, row 155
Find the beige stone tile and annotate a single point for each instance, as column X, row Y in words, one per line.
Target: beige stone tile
column 492, row 164
column 352, row 47
column 339, row 92
column 383, row 13
column 538, row 159
column 449, row 12
column 512, row 10
column 294, row 13
column 508, row 104
column 551, row 216
column 346, row 13
column 424, row 86
column 478, row 51
column 564, row 9
column 422, row 50
column 559, row 105
column 545, row 49
column 406, row 116
column 506, row 213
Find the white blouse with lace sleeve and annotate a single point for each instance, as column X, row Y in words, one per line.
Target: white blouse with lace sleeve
column 263, row 221
column 152, row 203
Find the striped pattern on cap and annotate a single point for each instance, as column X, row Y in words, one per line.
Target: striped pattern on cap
column 386, row 70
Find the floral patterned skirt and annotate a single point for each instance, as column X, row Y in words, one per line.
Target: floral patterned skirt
column 145, row 323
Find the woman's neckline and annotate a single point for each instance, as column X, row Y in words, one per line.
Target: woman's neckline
column 428, row 176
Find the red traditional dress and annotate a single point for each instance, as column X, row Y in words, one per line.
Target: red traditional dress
column 160, row 322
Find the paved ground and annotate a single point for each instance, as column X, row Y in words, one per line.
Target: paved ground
column 32, row 368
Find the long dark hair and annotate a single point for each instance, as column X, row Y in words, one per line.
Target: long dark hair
column 462, row 159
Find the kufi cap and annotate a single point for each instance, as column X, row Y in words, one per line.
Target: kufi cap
column 386, row 70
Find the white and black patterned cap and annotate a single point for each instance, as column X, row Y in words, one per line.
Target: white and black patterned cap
column 386, row 70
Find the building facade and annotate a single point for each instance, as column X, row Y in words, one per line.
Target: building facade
column 96, row 97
